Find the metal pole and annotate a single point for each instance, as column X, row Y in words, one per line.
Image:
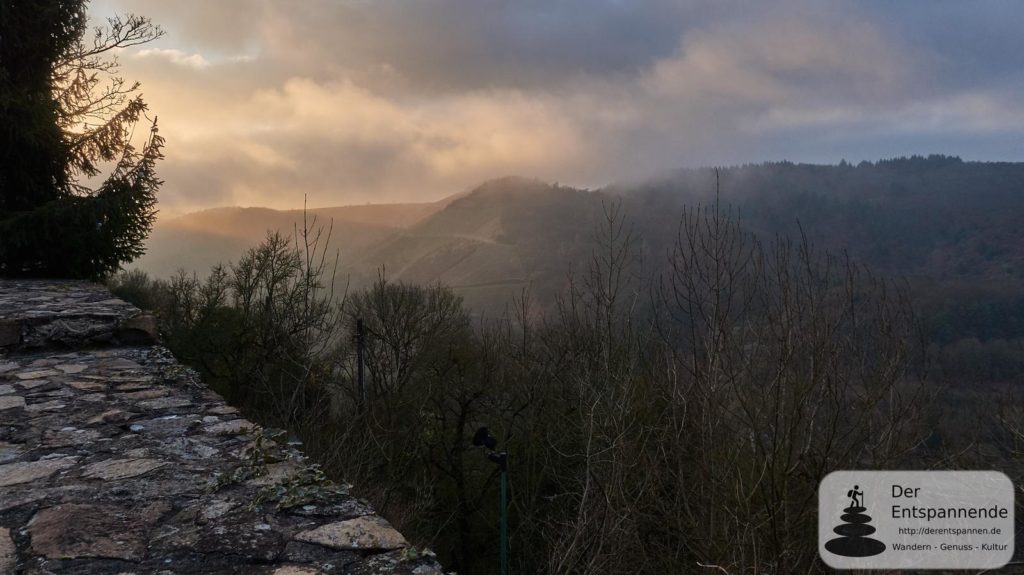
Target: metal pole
column 504, row 522
column 483, row 438
column 360, row 352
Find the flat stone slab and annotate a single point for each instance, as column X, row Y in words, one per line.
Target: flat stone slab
column 296, row 570
column 233, row 427
column 121, row 468
column 27, row 471
column 73, row 367
column 11, row 402
column 361, row 533
column 35, row 374
column 114, row 458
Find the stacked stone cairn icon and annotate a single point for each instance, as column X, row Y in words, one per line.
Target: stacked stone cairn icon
column 853, row 540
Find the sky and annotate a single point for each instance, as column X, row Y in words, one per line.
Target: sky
column 270, row 102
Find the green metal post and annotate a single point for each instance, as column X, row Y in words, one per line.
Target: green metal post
column 504, row 522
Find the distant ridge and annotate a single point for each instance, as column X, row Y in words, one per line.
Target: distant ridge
column 199, row 240
column 932, row 219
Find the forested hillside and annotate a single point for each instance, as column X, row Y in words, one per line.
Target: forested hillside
column 654, row 357
column 936, row 217
column 953, row 229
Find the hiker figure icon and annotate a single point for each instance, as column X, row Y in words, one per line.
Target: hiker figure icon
column 853, row 540
column 856, row 497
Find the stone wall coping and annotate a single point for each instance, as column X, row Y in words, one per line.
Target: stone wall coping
column 116, row 459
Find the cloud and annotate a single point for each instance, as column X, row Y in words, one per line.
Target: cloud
column 177, row 57
column 331, row 140
column 781, row 60
column 264, row 101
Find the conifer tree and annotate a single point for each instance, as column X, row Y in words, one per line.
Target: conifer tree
column 66, row 117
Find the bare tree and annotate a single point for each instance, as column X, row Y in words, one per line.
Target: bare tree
column 783, row 365
column 600, row 443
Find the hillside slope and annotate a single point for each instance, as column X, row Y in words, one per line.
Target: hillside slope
column 493, row 242
column 955, row 227
column 197, row 241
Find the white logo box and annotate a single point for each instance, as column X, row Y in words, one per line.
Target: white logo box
column 915, row 519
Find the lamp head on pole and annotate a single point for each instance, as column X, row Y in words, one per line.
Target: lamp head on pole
column 499, row 459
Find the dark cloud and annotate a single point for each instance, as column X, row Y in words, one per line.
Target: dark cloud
column 964, row 43
column 436, row 44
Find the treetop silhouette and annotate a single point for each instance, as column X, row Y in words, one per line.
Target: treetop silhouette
column 66, row 117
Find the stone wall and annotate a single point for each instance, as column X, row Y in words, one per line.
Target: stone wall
column 114, row 458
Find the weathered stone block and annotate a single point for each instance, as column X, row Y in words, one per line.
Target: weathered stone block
column 7, row 551
column 84, row 530
column 139, row 330
column 11, row 402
